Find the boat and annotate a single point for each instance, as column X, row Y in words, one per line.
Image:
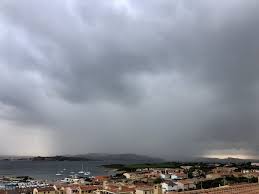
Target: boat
column 73, row 176
column 58, row 174
column 82, row 170
column 87, row 173
column 67, row 180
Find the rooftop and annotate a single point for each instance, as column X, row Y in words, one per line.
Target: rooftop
column 46, row 189
column 237, row 189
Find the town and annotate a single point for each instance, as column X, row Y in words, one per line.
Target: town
column 163, row 178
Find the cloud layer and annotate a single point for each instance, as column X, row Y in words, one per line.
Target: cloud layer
column 150, row 77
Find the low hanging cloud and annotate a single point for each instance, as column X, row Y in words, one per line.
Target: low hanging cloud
column 148, row 77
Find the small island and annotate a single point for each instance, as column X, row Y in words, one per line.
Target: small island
column 59, row 158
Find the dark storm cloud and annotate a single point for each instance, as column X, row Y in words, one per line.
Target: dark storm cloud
column 173, row 71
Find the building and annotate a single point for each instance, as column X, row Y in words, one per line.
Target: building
column 169, row 186
column 174, row 170
column 44, row 190
column 186, row 167
column 178, row 175
column 145, row 190
column 115, row 189
column 85, row 189
column 237, row 189
column 101, row 179
column 212, row 176
column 157, row 189
column 165, row 176
column 3, row 192
column 246, row 171
column 134, row 175
column 224, row 170
column 186, row 184
column 128, row 175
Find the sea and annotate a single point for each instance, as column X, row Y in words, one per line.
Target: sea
column 47, row 170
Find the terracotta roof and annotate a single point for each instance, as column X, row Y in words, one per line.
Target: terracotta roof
column 186, row 181
column 45, row 189
column 24, row 190
column 12, row 192
column 3, row 192
column 139, row 185
column 89, row 187
column 236, row 189
column 144, row 188
column 101, row 178
column 73, row 186
column 127, row 189
column 16, row 191
column 119, row 189
column 179, row 174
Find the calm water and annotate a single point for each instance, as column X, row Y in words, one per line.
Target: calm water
column 46, row 170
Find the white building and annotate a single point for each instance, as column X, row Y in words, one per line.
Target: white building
column 169, row 186
column 165, row 176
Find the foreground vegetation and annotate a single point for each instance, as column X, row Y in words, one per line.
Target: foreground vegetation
column 134, row 167
column 205, row 167
column 228, row 180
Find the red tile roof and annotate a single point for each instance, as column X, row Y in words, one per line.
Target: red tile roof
column 3, row 192
column 46, row 189
column 236, row 189
column 89, row 187
column 119, row 189
column 146, row 187
column 101, row 178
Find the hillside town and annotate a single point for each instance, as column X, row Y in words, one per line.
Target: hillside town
column 194, row 178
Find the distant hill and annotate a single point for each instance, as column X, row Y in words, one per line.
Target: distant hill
column 124, row 158
column 88, row 157
column 59, row 158
column 120, row 157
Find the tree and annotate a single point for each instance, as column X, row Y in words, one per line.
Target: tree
column 157, row 181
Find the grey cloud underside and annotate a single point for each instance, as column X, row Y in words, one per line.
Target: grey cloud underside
column 183, row 74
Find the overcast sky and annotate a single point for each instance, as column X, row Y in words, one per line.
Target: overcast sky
column 168, row 78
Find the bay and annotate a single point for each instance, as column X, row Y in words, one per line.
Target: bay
column 46, row 170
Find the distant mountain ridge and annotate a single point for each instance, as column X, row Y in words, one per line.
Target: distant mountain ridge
column 59, row 158
column 127, row 157
column 88, row 157
column 120, row 157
